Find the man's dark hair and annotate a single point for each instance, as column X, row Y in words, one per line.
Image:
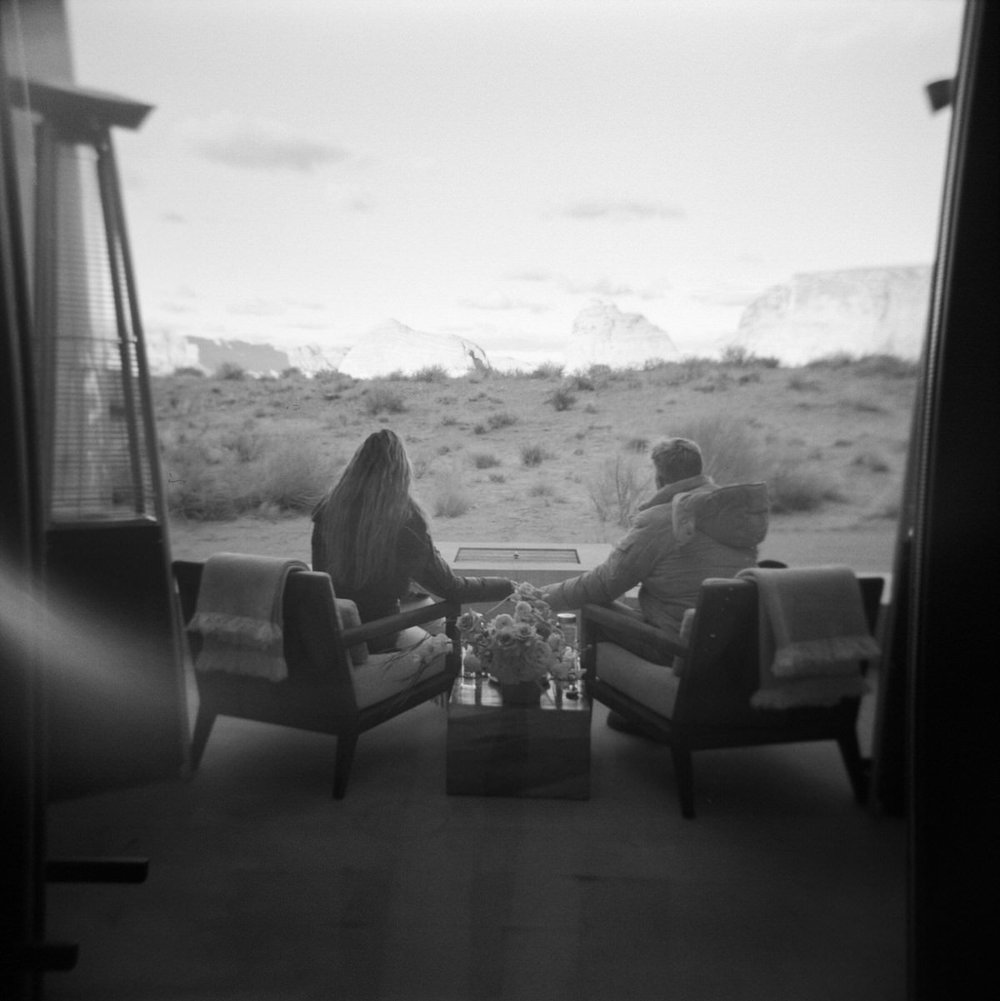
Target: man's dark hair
column 676, row 459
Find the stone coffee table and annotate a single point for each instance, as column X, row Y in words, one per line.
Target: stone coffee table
column 503, row 750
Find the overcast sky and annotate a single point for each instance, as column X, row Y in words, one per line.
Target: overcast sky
column 315, row 167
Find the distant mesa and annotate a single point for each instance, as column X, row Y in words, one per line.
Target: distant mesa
column 604, row 335
column 168, row 351
column 856, row 311
column 394, row 347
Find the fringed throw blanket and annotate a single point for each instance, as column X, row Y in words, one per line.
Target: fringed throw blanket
column 239, row 614
column 813, row 633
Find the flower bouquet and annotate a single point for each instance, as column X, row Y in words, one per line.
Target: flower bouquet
column 525, row 645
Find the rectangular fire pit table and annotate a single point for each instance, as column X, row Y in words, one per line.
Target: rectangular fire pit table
column 498, row 750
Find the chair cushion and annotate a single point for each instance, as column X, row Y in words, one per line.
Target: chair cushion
column 384, row 675
column 654, row 685
column 687, row 627
column 349, row 618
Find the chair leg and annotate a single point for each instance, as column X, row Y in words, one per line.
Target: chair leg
column 346, row 743
column 202, row 728
column 684, row 775
column 857, row 770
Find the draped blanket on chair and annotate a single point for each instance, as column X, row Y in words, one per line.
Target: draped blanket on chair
column 239, row 614
column 813, row 634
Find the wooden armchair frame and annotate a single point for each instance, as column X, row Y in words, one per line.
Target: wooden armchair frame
column 319, row 693
column 721, row 672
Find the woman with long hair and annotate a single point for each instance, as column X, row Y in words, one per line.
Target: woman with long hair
column 372, row 537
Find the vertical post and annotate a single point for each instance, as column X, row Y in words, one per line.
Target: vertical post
column 22, row 814
column 113, row 227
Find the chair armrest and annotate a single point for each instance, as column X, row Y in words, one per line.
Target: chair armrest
column 638, row 637
column 392, row 624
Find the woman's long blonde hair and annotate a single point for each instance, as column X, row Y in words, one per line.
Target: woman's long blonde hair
column 361, row 517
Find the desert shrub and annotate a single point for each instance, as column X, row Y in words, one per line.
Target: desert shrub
column 450, row 499
column 293, row 476
column 448, row 421
column 504, row 419
column 889, row 366
column 431, row 373
column 227, row 371
column 496, row 421
column 618, row 488
column 794, row 487
column 245, row 444
column 799, row 383
column 679, row 373
column 382, row 398
column 864, row 404
column 485, row 460
column 198, row 486
column 534, row 455
column 655, row 364
column 202, row 498
column 210, row 480
column 541, row 489
column 561, row 399
column 873, row 462
column 731, row 453
column 332, row 381
column 637, row 445
column 600, row 376
column 189, row 370
column 835, row 360
column 580, row 383
column 497, row 478
column 738, row 356
column 547, row 370
column 291, row 372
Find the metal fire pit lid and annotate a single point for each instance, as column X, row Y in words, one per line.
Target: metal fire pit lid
column 471, row 554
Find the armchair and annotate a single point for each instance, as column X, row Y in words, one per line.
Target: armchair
column 706, row 702
column 325, row 691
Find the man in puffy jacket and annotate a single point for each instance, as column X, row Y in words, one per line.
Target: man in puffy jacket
column 691, row 529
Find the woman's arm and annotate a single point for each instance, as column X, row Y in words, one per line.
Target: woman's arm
column 430, row 570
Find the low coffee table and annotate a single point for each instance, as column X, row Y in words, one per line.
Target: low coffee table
column 498, row 750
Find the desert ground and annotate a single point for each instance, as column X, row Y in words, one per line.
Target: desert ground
column 544, row 457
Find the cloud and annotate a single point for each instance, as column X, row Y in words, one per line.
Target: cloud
column 726, row 297
column 360, row 203
column 621, row 210
column 607, row 287
column 531, row 275
column 256, row 307
column 258, row 144
column 500, row 301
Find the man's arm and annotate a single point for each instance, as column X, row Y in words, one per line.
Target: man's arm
column 628, row 564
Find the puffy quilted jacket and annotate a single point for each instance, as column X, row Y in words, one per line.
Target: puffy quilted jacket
column 688, row 531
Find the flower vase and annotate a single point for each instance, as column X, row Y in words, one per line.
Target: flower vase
column 520, row 693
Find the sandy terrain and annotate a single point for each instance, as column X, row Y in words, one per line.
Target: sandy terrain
column 848, row 426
